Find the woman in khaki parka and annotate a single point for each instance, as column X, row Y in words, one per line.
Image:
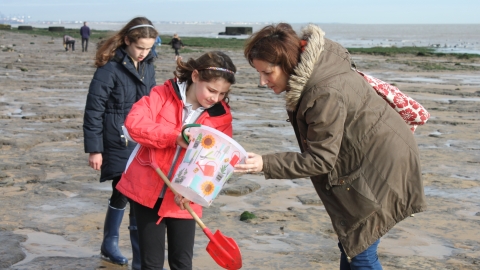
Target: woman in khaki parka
column 360, row 155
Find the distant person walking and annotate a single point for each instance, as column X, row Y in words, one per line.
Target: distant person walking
column 158, row 42
column 68, row 42
column 85, row 34
column 176, row 43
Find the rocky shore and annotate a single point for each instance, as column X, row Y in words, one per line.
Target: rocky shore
column 53, row 205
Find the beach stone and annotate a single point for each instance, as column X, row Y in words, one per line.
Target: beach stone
column 240, row 187
column 9, row 66
column 10, row 249
column 7, row 182
column 435, row 134
column 477, row 214
column 310, row 199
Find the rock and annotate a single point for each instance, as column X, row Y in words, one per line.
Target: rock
column 9, row 66
column 240, row 187
column 10, row 249
column 435, row 134
column 6, row 182
column 310, row 199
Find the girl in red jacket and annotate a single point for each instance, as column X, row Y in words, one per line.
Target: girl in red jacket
column 197, row 94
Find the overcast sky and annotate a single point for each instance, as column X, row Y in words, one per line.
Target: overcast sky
column 292, row 11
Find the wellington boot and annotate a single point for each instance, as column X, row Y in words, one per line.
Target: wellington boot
column 109, row 249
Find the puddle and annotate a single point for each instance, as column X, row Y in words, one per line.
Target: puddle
column 269, row 243
column 286, row 242
column 444, row 99
column 455, row 79
column 247, row 202
column 40, row 244
column 406, row 242
column 460, row 194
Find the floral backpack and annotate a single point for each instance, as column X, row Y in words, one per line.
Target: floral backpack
column 411, row 111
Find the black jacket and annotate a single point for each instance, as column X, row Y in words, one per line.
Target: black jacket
column 115, row 87
column 176, row 43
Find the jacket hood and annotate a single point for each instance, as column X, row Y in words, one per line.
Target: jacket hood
column 321, row 57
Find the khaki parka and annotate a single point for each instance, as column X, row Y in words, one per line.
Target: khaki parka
column 361, row 156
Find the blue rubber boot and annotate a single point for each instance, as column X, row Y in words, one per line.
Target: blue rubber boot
column 136, row 262
column 110, row 250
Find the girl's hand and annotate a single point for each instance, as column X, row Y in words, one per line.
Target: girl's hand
column 180, row 201
column 181, row 140
column 253, row 164
column 95, row 161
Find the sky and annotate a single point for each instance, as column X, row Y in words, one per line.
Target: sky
column 291, row 11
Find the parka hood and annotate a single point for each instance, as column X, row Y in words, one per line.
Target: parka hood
column 321, row 57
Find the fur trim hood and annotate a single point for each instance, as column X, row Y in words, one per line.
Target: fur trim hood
column 315, row 37
column 321, row 57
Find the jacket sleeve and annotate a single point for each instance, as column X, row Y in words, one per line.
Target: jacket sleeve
column 325, row 117
column 98, row 94
column 142, row 125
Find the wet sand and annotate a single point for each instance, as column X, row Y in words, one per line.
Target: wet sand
column 53, row 206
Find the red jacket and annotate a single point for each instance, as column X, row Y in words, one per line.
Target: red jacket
column 155, row 121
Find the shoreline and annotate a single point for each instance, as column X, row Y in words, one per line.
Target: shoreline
column 457, row 37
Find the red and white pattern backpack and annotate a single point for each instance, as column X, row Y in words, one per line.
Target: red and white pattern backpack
column 411, row 111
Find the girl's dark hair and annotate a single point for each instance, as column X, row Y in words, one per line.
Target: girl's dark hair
column 106, row 49
column 275, row 44
column 213, row 59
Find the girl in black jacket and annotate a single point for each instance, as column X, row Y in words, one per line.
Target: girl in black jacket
column 176, row 43
column 124, row 74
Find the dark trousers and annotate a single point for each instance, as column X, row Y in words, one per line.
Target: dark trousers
column 180, row 236
column 71, row 44
column 84, row 44
column 118, row 200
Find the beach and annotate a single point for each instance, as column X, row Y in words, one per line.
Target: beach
column 54, row 206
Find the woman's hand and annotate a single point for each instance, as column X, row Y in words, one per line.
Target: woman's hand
column 253, row 164
column 181, row 140
column 95, row 161
column 180, row 201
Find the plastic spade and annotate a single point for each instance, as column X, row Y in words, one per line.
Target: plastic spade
column 224, row 250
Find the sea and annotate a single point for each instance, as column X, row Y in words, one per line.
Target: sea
column 448, row 38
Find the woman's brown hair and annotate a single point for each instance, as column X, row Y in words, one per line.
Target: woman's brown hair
column 106, row 49
column 275, row 44
column 205, row 65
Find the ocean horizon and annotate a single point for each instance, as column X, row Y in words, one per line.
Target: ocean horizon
column 449, row 38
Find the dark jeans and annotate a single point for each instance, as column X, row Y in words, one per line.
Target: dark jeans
column 176, row 51
column 71, row 44
column 84, row 44
column 180, row 236
column 367, row 260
